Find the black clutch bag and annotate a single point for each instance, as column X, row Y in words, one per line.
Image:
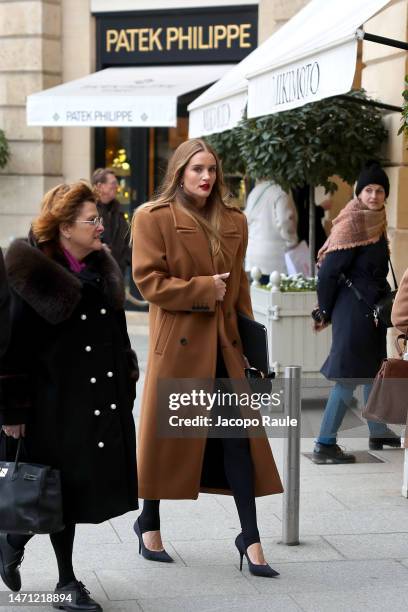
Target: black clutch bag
column 254, row 339
column 30, row 497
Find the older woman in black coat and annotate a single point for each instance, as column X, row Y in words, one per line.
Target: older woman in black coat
column 357, row 250
column 4, row 308
column 68, row 377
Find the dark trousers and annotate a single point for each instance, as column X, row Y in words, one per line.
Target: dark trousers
column 62, row 543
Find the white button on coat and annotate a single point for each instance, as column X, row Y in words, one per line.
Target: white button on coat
column 93, row 380
column 88, row 349
column 97, row 412
column 113, row 406
column 109, row 374
column 83, row 317
column 101, row 444
column 103, row 310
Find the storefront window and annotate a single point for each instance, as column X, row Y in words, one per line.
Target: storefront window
column 118, row 157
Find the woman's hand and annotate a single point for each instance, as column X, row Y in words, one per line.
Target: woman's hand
column 320, row 325
column 15, row 431
column 220, row 285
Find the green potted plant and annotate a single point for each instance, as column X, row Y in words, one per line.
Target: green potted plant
column 310, row 144
column 226, row 145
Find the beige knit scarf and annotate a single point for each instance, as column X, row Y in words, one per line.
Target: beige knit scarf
column 355, row 225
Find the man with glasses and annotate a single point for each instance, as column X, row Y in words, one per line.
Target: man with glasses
column 116, row 228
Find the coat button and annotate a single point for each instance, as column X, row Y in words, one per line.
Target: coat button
column 97, row 412
column 93, row 380
column 101, row 444
column 83, row 317
column 103, row 311
column 183, row 341
column 113, row 406
column 109, row 374
column 88, row 349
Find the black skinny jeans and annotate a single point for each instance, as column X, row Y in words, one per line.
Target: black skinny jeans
column 239, row 472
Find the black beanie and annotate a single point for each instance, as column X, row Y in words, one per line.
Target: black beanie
column 372, row 174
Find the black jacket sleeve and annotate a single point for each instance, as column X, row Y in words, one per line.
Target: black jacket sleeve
column 334, row 264
column 15, row 396
column 4, row 308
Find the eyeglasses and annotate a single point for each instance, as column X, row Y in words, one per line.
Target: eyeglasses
column 96, row 221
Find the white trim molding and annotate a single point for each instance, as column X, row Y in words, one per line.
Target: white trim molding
column 107, row 6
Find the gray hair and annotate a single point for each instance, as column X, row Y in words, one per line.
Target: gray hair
column 101, row 175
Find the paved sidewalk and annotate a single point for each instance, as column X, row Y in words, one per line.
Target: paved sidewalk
column 353, row 555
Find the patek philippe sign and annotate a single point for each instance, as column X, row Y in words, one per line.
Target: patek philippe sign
column 200, row 35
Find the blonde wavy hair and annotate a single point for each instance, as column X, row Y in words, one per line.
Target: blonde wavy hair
column 62, row 204
column 172, row 191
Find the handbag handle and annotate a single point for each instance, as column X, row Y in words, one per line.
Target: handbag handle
column 393, row 274
column 14, row 473
column 397, row 345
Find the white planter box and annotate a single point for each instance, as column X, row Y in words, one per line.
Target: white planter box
column 291, row 338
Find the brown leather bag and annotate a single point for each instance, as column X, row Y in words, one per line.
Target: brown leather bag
column 388, row 400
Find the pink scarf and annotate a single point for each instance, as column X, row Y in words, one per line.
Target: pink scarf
column 74, row 265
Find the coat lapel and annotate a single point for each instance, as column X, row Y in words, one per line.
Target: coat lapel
column 231, row 239
column 194, row 241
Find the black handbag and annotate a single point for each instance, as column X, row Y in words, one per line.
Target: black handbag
column 30, row 497
column 382, row 309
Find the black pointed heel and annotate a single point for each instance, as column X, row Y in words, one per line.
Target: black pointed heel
column 151, row 555
column 264, row 571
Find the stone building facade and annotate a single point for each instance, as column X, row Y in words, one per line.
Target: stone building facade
column 47, row 42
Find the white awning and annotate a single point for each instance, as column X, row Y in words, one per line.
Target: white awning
column 138, row 97
column 311, row 57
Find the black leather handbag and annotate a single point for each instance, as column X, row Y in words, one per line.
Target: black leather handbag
column 382, row 309
column 30, row 497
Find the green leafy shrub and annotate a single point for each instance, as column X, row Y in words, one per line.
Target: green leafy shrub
column 308, row 145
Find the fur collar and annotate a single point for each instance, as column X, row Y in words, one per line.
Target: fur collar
column 50, row 288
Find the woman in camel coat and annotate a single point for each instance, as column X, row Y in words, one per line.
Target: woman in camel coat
column 180, row 264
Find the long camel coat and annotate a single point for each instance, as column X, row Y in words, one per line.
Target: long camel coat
column 173, row 269
column 399, row 318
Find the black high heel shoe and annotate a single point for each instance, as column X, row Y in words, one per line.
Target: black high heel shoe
column 256, row 570
column 151, row 555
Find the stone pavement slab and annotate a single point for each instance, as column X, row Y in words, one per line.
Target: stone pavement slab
column 377, row 520
column 371, row 546
column 210, row 552
column 221, row 603
column 324, row 577
column 171, row 580
column 359, row 600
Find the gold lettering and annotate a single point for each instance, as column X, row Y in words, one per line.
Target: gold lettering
column 243, row 35
column 201, row 44
column 195, row 43
column 184, row 37
column 220, row 33
column 131, row 32
column 232, row 34
column 122, row 42
column 172, row 35
column 111, row 39
column 144, row 39
column 155, row 39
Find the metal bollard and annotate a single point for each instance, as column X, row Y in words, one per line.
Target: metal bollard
column 291, row 458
